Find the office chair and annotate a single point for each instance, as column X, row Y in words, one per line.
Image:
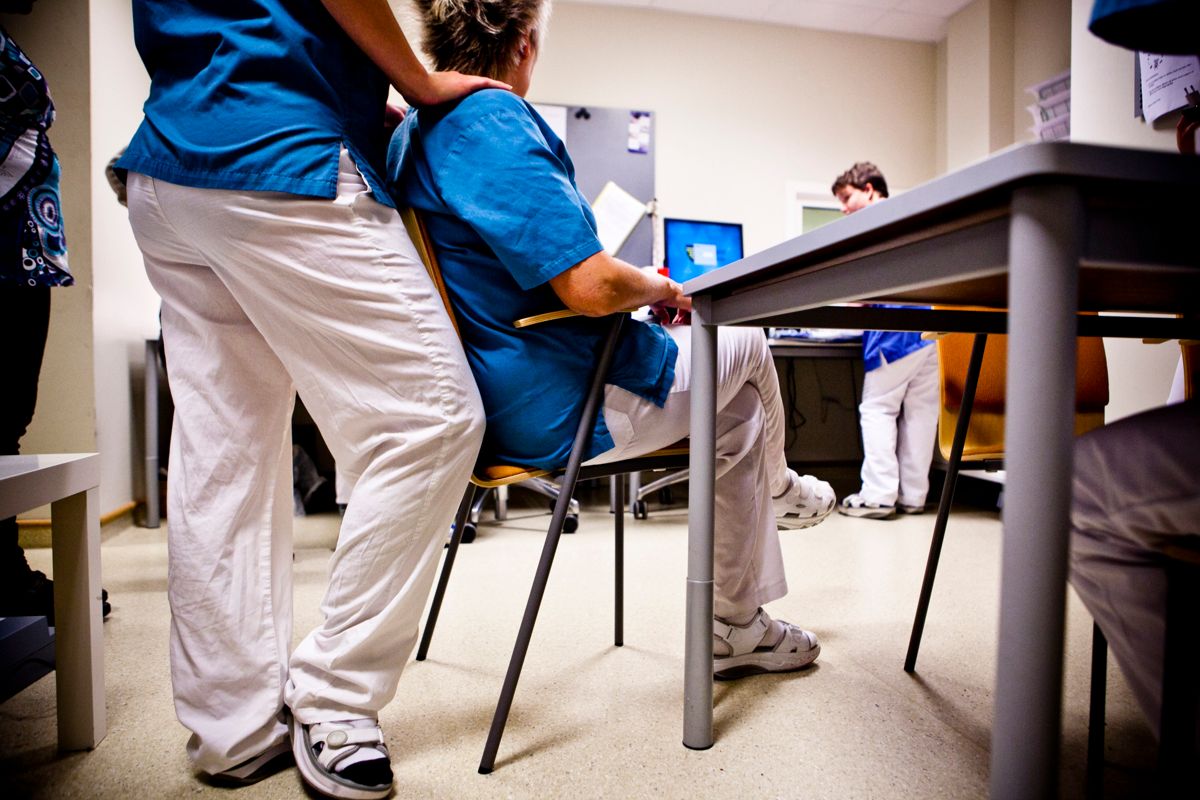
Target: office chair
column 972, row 372
column 490, row 476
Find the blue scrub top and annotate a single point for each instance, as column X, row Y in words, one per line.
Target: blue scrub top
column 497, row 191
column 885, row 347
column 255, row 94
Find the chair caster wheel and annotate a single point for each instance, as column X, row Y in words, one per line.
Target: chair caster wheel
column 468, row 533
column 571, row 523
column 639, row 510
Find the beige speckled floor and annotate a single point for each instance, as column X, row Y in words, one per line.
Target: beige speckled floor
column 591, row 720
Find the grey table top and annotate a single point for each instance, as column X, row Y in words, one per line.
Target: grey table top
column 946, row 241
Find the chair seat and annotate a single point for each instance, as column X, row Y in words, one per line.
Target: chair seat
column 494, row 475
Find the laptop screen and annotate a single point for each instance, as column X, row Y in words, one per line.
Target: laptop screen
column 693, row 247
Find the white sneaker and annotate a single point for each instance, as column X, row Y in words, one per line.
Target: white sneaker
column 854, row 505
column 761, row 645
column 806, row 502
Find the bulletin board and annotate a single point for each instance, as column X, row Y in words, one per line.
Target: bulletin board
column 614, row 144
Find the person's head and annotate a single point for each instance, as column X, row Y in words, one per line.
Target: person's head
column 494, row 38
column 859, row 187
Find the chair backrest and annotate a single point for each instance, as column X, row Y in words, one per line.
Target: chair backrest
column 985, row 435
column 419, row 234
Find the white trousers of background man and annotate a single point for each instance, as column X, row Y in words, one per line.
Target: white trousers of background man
column 1136, row 490
column 751, row 468
column 899, row 418
column 266, row 294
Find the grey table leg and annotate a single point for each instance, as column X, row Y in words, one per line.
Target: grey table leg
column 151, row 409
column 697, row 679
column 79, row 638
column 1045, row 244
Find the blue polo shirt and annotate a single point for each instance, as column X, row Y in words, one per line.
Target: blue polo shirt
column 255, row 94
column 497, row 191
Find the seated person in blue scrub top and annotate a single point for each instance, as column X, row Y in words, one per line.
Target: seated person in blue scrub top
column 899, row 409
column 516, row 238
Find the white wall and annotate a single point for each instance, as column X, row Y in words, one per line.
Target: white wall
column 1102, row 113
column 1042, row 37
column 126, row 307
column 741, row 108
column 969, row 85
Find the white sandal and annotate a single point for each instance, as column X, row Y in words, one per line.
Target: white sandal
column 747, row 655
column 321, row 747
column 807, row 501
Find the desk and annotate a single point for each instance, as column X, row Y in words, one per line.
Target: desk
column 1045, row 230
column 69, row 483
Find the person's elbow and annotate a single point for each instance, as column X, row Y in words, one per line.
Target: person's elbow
column 591, row 289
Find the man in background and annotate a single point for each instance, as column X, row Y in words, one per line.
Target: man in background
column 899, row 408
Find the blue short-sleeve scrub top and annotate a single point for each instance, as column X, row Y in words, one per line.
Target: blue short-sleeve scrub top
column 497, row 191
column 255, row 94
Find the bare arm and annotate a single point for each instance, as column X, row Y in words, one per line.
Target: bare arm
column 373, row 27
column 601, row 284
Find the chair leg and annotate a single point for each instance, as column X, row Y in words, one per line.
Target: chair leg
column 570, row 477
column 460, row 523
column 525, row 634
column 1094, row 786
column 619, row 561
column 943, row 514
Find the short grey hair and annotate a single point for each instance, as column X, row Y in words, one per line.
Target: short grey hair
column 480, row 37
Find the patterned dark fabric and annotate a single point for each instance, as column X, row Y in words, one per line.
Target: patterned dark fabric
column 33, row 245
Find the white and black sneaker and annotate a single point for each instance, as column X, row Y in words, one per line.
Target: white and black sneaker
column 345, row 759
column 854, row 505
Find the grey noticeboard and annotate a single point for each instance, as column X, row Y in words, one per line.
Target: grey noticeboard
column 598, row 141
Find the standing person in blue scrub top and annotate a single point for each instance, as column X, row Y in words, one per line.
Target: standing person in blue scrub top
column 899, row 408
column 254, row 191
column 516, row 238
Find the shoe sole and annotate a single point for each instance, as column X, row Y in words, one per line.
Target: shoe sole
column 324, row 781
column 867, row 513
column 275, row 758
column 733, row 667
column 794, row 523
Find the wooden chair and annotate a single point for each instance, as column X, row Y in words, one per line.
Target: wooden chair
column 493, row 475
column 972, row 372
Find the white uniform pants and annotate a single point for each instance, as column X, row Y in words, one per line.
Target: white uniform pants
column 1136, row 488
column 750, row 465
column 899, row 417
column 263, row 292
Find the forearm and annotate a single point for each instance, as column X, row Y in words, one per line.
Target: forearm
column 601, row 284
column 373, row 27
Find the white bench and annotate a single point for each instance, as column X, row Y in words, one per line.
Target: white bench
column 69, row 483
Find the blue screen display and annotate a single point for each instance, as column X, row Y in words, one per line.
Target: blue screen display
column 693, row 247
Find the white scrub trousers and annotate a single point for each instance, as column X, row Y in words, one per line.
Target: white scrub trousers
column 265, row 294
column 1136, row 490
column 899, row 417
column 750, row 464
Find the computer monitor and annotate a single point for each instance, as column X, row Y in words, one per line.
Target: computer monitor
column 693, row 247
